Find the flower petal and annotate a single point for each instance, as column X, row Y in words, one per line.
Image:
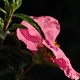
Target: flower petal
column 62, row 61
column 29, row 37
column 32, row 31
column 49, row 26
column 30, row 45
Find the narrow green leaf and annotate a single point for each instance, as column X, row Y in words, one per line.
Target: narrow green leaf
column 22, row 65
column 15, row 5
column 10, row 66
column 1, row 22
column 11, row 1
column 2, row 36
column 2, row 10
column 14, row 1
column 31, row 21
column 18, row 2
column 6, row 57
column 1, row 28
column 27, row 52
column 14, row 38
column 11, row 57
column 6, row 3
column 6, row 71
column 15, row 26
column 18, row 52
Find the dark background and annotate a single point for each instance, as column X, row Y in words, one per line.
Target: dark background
column 67, row 12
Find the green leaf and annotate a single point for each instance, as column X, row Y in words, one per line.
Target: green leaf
column 11, row 1
column 2, row 36
column 15, row 5
column 22, row 65
column 6, row 57
column 1, row 28
column 12, row 57
column 2, row 10
column 20, row 54
column 13, row 37
column 16, row 26
column 1, row 22
column 6, row 71
column 27, row 53
column 31, row 21
column 14, row 60
column 10, row 7
column 6, row 3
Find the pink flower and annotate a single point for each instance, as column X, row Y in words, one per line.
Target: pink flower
column 51, row 29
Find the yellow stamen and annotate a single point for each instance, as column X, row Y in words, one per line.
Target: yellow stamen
column 57, row 45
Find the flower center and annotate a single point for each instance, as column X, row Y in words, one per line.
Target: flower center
column 57, row 45
column 40, row 45
column 47, row 53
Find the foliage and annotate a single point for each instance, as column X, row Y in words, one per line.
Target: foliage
column 15, row 62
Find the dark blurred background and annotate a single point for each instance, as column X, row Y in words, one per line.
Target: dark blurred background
column 67, row 12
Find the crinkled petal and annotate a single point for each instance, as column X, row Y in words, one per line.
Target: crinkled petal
column 29, row 37
column 67, row 68
column 30, row 45
column 32, row 31
column 49, row 25
column 62, row 61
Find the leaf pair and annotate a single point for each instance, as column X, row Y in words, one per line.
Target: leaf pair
column 14, row 4
column 13, row 61
column 15, row 45
column 29, row 20
column 10, row 7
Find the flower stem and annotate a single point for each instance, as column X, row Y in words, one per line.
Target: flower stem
column 29, row 68
column 7, row 19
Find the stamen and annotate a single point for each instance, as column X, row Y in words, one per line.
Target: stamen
column 57, row 45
